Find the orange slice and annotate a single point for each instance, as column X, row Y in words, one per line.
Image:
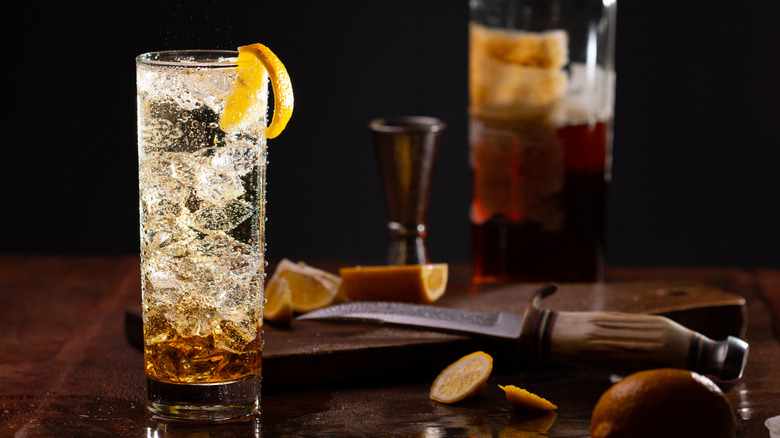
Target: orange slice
column 526, row 400
column 253, row 61
column 278, row 305
column 463, row 379
column 408, row 283
column 310, row 288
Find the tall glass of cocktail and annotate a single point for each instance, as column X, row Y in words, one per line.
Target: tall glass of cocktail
column 201, row 162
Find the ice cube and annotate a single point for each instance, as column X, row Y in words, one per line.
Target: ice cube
column 159, row 231
column 156, row 327
column 181, row 167
column 202, row 87
column 192, row 320
column 223, row 217
column 164, row 283
column 228, row 258
column 203, row 281
column 167, row 276
column 171, row 127
column 210, row 88
column 235, row 269
column 176, row 266
column 163, row 197
column 217, row 185
column 157, row 135
column 240, row 157
column 234, row 337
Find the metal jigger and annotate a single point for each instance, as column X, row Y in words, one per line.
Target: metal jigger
column 406, row 149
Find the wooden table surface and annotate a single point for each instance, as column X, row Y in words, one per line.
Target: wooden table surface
column 67, row 370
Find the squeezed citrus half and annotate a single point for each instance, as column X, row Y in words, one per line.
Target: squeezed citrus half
column 422, row 284
column 464, row 378
column 310, row 288
column 253, row 62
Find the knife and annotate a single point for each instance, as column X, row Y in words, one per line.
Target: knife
column 564, row 336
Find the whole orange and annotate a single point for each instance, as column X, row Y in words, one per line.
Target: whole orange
column 663, row 403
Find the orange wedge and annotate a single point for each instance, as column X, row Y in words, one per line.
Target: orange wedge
column 408, row 283
column 278, row 304
column 253, row 61
column 310, row 288
column 463, row 379
column 526, row 400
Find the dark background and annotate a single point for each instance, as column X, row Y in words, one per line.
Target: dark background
column 696, row 156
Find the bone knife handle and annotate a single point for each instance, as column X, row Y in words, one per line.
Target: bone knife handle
column 626, row 337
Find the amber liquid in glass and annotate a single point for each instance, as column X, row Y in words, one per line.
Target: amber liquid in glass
column 547, row 221
column 196, row 359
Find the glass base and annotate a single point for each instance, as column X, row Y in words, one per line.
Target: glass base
column 204, row 402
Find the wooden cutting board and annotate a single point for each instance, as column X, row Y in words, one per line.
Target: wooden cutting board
column 312, row 352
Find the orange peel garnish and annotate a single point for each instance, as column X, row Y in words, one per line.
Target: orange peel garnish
column 249, row 82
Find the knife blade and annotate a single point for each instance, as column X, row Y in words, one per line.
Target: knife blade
column 564, row 336
column 442, row 319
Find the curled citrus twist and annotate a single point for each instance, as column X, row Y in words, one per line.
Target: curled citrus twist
column 253, row 61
